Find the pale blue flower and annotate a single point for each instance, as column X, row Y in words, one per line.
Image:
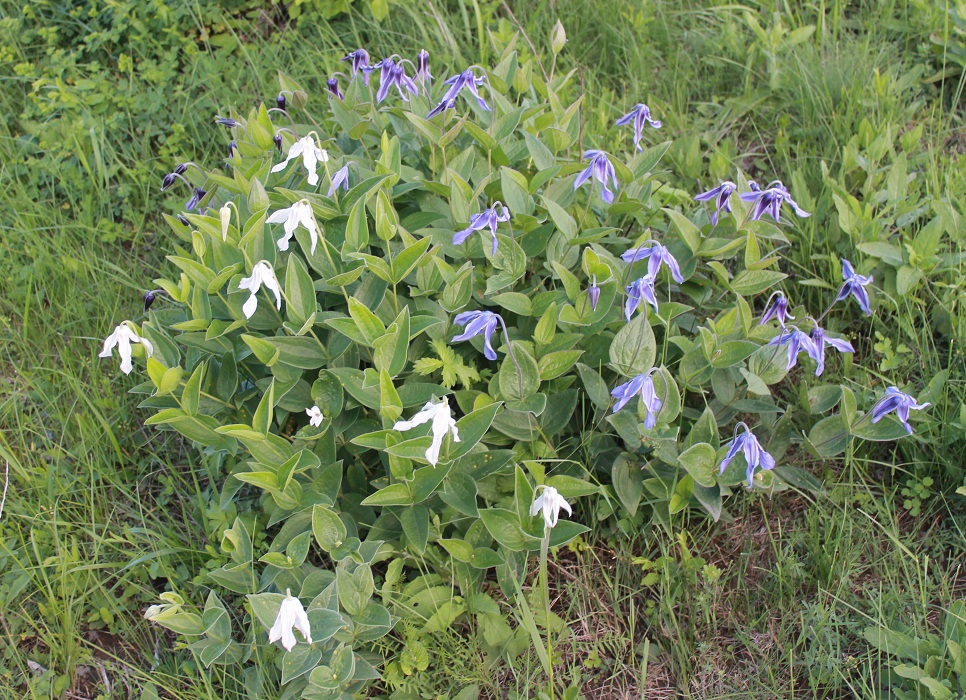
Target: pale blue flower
column 855, row 285
column 638, row 290
column 655, row 253
column 770, row 200
column 642, row 385
column 722, row 196
column 601, row 170
column 640, row 115
column 478, row 323
column 898, row 401
column 755, row 454
column 491, row 218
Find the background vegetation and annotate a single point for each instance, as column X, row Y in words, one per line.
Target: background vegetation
column 857, row 106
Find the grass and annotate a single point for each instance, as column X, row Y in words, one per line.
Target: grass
column 102, row 515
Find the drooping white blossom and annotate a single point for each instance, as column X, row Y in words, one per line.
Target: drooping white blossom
column 549, row 503
column 298, row 213
column 121, row 338
column 311, row 154
column 443, row 423
column 291, row 615
column 315, row 416
column 262, row 274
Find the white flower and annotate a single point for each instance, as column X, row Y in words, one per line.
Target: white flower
column 298, row 213
column 550, row 502
column 315, row 416
column 311, row 154
column 443, row 423
column 290, row 614
column 262, row 274
column 122, row 337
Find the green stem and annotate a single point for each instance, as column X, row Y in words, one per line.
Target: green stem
column 545, row 586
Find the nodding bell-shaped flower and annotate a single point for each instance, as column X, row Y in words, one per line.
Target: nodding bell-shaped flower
column 195, row 200
column 333, row 84
column 168, row 180
column 121, row 338
column 593, row 293
column 292, row 217
column 755, row 454
column 898, row 401
column 226, row 122
column 291, row 615
column 468, row 80
column 722, row 196
column 655, row 255
column 491, row 217
column 549, row 504
column 770, row 200
column 231, row 148
column 149, row 298
column 394, row 74
column 277, row 139
column 181, row 169
column 601, row 170
column 311, row 154
column 642, row 385
column 339, row 179
column 820, row 341
column 442, row 424
column 315, row 416
column 855, row 284
column 422, row 67
column 640, row 290
column 360, row 62
column 280, row 101
column 478, row 323
column 262, row 274
column 796, row 341
column 640, row 115
column 776, row 308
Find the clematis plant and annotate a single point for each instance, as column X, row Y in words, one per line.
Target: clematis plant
column 601, row 170
column 854, row 284
column 478, row 323
column 315, row 416
column 820, row 341
column 549, row 503
column 262, row 275
column 755, row 454
column 442, row 424
column 898, row 401
column 642, row 385
column 796, row 341
column 299, row 214
column 491, row 218
column 467, row 80
column 776, row 307
column 311, row 155
column 340, row 178
column 291, row 615
column 656, row 255
column 637, row 291
column 640, row 115
column 770, row 199
column 121, row 338
column 721, row 196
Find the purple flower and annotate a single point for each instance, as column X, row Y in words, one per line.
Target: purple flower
column 391, row 74
column 593, row 293
column 278, row 142
column 149, row 298
column 360, row 62
column 755, row 455
column 225, row 121
column 333, row 84
column 195, row 199
column 231, row 148
column 467, row 79
column 181, row 169
column 168, row 180
column 340, row 178
column 280, row 101
column 895, row 400
column 777, row 309
column 655, row 254
column 488, row 217
column 640, row 115
column 855, row 285
column 637, row 290
column 643, row 385
column 722, row 195
column 183, row 220
column 422, row 67
column 478, row 323
column 820, row 340
column 796, row 341
column 600, row 169
column 770, row 200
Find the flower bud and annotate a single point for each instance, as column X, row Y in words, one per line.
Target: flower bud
column 168, row 180
column 181, row 169
column 224, row 121
column 280, row 101
column 148, row 300
column 333, row 84
column 278, row 142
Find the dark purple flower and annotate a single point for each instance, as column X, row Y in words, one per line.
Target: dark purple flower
column 488, row 217
column 360, row 62
column 181, row 169
column 641, row 385
column 593, row 293
column 278, row 142
column 478, row 323
column 655, row 253
column 148, row 300
column 600, row 169
column 722, row 195
column 770, row 200
column 895, row 400
column 855, row 285
column 820, row 340
column 422, row 67
column 641, row 289
column 640, row 115
column 755, row 454
column 168, row 180
column 280, row 101
column 777, row 309
column 195, row 199
column 231, row 148
column 184, row 220
column 225, row 121
column 340, row 178
column 796, row 341
column 468, row 80
column 402, row 82
column 333, row 84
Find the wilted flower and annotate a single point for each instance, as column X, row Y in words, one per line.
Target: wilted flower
column 360, row 62
column 291, row 615
column 898, row 401
column 722, row 196
column 315, row 416
column 640, row 115
column 467, row 79
column 478, row 323
column 298, row 213
column 280, row 101
column 755, row 454
column 121, row 338
column 488, row 217
column 195, row 200
column 311, row 154
column 601, row 170
column 262, row 274
column 855, row 285
column 770, row 200
column 655, row 253
column 442, row 423
column 333, row 84
column 422, row 67
column 593, row 293
column 339, row 178
column 777, row 309
column 637, row 290
column 549, row 503
column 641, row 385
column 225, row 121
column 820, row 340
column 796, row 341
